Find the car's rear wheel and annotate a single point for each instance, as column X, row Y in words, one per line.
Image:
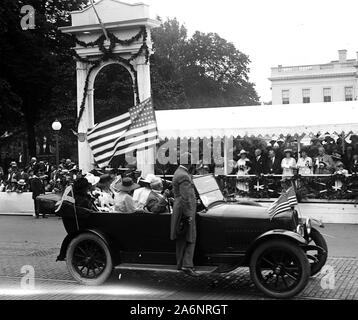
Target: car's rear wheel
column 89, row 260
column 279, row 268
column 317, row 258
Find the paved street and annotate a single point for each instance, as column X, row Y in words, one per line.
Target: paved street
column 26, row 241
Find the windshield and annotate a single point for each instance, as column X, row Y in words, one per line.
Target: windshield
column 208, row 189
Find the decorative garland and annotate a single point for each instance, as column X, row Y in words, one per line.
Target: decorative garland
column 307, row 187
column 108, row 54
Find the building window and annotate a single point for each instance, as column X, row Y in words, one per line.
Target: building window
column 306, row 95
column 285, row 96
column 348, row 93
column 327, row 95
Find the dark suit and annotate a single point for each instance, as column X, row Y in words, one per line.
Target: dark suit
column 37, row 188
column 258, row 165
column 182, row 231
column 273, row 167
column 353, row 168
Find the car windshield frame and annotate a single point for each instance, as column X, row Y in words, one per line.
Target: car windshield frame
column 208, row 189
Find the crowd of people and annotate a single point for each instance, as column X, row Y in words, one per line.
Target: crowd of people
column 322, row 164
column 20, row 178
column 271, row 164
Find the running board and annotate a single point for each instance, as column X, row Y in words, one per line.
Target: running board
column 161, row 267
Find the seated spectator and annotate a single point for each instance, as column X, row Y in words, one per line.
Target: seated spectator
column 305, row 164
column 123, row 201
column 157, row 202
column 354, row 164
column 323, row 163
column 288, row 164
column 340, row 169
column 81, row 192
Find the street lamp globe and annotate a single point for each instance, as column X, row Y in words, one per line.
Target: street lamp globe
column 56, row 125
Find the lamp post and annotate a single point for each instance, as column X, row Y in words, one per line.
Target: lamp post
column 56, row 126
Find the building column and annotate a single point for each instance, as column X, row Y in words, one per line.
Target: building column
column 146, row 157
column 85, row 157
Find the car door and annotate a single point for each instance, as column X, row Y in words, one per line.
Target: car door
column 146, row 238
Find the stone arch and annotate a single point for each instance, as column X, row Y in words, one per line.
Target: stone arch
column 125, row 21
column 94, row 75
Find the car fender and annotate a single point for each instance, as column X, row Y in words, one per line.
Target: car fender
column 101, row 235
column 275, row 234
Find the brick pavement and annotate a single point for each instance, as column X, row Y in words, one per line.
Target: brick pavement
column 26, row 241
column 54, row 281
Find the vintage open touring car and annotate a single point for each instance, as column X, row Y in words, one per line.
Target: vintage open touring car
column 282, row 253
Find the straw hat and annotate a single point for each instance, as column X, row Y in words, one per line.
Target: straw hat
column 92, row 179
column 126, row 185
column 288, row 150
column 243, row 152
column 22, row 182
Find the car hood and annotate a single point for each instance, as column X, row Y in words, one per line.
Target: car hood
column 239, row 210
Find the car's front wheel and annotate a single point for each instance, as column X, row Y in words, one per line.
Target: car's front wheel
column 279, row 268
column 89, row 260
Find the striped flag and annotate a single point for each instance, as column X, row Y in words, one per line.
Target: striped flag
column 285, row 202
column 291, row 196
column 131, row 131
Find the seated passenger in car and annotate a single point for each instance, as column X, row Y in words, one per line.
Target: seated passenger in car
column 157, row 202
column 123, row 200
column 141, row 195
column 81, row 189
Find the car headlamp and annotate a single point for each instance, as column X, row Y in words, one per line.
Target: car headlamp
column 308, row 226
column 300, row 230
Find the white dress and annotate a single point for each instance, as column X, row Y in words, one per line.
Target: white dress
column 304, row 166
column 287, row 165
column 243, row 170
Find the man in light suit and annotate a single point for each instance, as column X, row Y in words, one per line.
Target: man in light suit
column 183, row 226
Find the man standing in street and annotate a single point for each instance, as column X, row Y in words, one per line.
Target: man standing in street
column 37, row 188
column 183, row 226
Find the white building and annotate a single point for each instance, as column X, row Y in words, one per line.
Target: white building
column 334, row 81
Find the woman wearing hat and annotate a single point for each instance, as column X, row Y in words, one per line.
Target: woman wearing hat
column 288, row 164
column 123, row 200
column 305, row 164
column 81, row 189
column 106, row 195
column 243, row 167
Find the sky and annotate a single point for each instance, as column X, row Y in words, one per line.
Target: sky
column 271, row 33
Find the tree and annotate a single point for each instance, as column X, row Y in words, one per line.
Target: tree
column 202, row 71
column 31, row 60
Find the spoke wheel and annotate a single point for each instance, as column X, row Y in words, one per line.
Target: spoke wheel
column 317, row 258
column 89, row 260
column 279, row 268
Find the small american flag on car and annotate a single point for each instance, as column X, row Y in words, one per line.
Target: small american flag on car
column 285, row 202
column 136, row 129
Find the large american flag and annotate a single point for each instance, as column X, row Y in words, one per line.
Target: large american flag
column 131, row 131
column 285, row 202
